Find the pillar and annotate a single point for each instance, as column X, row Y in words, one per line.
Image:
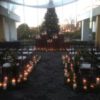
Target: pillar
column 86, row 32
column 97, row 40
column 10, row 32
column 1, row 29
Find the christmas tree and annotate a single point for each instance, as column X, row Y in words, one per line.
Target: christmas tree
column 51, row 21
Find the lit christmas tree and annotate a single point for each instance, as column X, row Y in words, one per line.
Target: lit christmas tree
column 51, row 20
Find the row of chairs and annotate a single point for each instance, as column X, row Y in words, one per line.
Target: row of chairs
column 82, row 68
column 16, row 61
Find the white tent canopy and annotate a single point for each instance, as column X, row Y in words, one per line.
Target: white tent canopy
column 40, row 3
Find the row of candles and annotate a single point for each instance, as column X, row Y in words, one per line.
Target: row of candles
column 49, row 49
column 22, row 76
column 86, row 84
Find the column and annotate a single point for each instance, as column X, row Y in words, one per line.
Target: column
column 97, row 41
column 86, row 32
column 1, row 29
column 10, row 31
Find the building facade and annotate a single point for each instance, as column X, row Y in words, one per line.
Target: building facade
column 89, row 16
column 8, row 21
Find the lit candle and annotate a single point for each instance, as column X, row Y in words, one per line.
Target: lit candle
column 72, row 67
column 63, row 57
column 20, row 75
column 5, row 79
column 13, row 81
column 74, row 76
column 0, row 84
column 25, row 78
column 28, row 65
column 92, row 86
column 29, row 70
column 30, row 62
column 18, row 80
column 84, row 81
column 4, row 85
column 25, row 73
column 74, row 80
column 68, row 59
column 85, row 87
column 65, row 70
column 68, row 80
column 66, row 65
column 97, row 80
column 74, row 86
column 66, row 56
column 66, row 74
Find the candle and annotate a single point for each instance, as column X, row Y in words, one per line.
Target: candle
column 68, row 59
column 25, row 78
column 97, row 80
column 74, row 80
column 4, row 85
column 28, row 65
column 19, row 80
column 25, row 73
column 72, row 69
column 66, row 74
column 74, row 86
column 31, row 63
column 85, row 87
column 20, row 75
column 66, row 65
column 13, row 81
column 63, row 57
column 0, row 84
column 84, row 81
column 68, row 80
column 5, row 79
column 29, row 70
column 92, row 86
column 74, row 76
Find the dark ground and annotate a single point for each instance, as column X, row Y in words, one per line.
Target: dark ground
column 47, row 83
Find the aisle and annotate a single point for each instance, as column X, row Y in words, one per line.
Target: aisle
column 48, row 80
column 47, row 83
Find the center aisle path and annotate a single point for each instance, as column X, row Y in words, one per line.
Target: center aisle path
column 47, row 83
column 48, row 80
